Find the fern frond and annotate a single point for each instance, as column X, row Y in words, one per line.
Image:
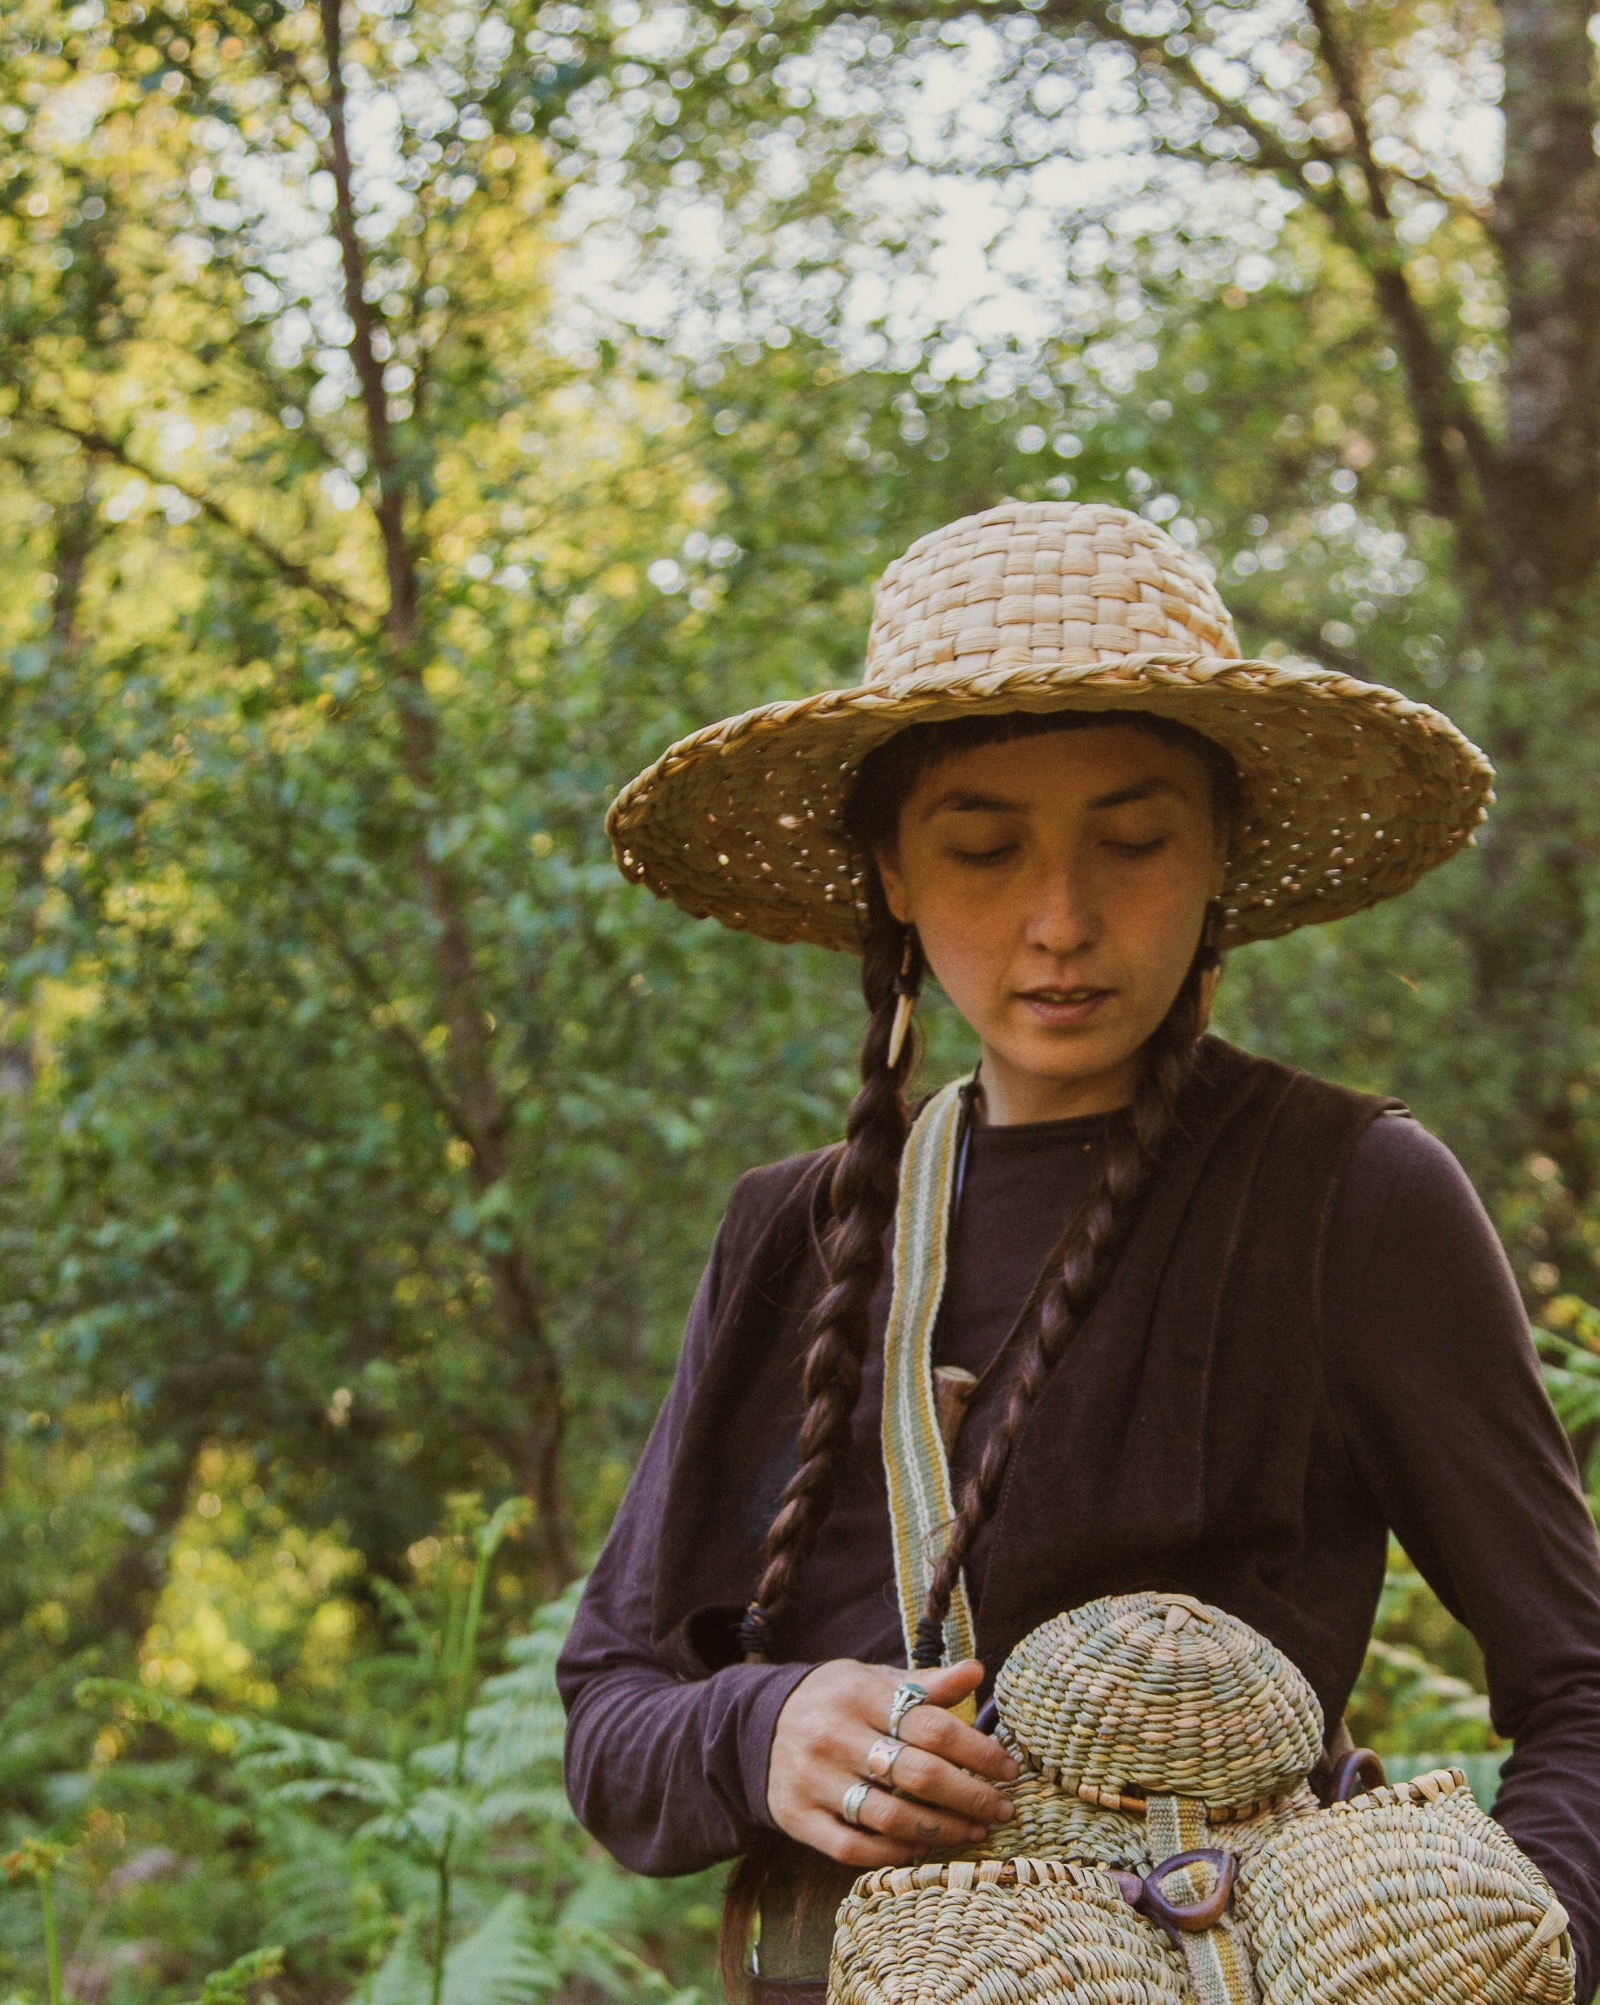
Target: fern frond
column 501, row 1962
column 436, row 1819
column 590, row 1953
column 545, row 1806
column 403, row 1977
column 517, row 1730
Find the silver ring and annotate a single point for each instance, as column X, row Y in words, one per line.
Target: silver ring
column 850, row 1806
column 906, row 1696
column 881, row 1758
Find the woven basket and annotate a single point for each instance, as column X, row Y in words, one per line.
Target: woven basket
column 1051, row 1824
column 1159, row 1735
column 998, row 1934
column 1408, row 1895
column 1145, row 1694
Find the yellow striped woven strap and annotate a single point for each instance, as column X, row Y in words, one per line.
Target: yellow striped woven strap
column 1219, row 1963
column 920, row 1502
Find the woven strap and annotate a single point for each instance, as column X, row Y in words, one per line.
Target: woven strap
column 920, row 1502
column 1219, row 1965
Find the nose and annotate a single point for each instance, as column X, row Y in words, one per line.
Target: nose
column 1062, row 919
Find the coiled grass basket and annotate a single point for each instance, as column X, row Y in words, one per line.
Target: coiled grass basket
column 1168, row 1850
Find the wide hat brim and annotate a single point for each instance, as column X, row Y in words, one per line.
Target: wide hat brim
column 1349, row 791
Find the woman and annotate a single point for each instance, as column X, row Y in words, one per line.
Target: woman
column 1204, row 1324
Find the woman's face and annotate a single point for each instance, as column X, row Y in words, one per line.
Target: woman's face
column 1058, row 885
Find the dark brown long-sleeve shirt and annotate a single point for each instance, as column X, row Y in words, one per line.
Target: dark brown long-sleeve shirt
column 1433, row 1387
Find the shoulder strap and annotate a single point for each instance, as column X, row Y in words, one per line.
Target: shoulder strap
column 918, row 1474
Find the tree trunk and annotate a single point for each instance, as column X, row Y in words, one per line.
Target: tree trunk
column 125, row 1596
column 534, row 1448
column 1546, row 225
column 27, row 829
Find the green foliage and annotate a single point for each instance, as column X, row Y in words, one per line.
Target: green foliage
column 403, row 1868
column 233, row 1985
column 361, row 1133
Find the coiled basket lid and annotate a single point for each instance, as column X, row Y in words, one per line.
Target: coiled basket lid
column 1158, row 1694
column 1350, row 791
column 1026, row 1932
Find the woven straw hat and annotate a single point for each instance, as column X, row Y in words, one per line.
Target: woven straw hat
column 1350, row 791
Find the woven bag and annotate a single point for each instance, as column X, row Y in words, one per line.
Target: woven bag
column 1047, row 1823
column 1158, row 1694
column 1407, row 1895
column 1027, row 1930
column 1165, row 1833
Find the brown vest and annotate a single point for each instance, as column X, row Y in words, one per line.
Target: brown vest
column 1203, row 1352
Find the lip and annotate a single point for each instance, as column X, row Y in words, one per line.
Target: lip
column 1066, row 1008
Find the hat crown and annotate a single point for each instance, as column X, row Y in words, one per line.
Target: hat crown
column 1043, row 583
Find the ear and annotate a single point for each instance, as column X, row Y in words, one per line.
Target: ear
column 894, row 886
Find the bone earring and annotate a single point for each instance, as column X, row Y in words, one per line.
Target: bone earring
column 1210, row 961
column 1210, row 954
column 906, row 985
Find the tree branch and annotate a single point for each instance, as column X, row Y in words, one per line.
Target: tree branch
column 385, row 1013
column 1442, row 412
column 1452, row 442
column 511, row 1278
column 354, row 618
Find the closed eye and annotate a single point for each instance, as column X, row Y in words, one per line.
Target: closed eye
column 980, row 856
column 1149, row 848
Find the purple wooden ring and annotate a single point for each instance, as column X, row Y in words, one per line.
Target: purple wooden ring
column 1197, row 1916
column 1360, row 1771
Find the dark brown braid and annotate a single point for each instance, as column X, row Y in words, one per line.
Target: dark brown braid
column 866, row 1181
column 1097, row 1236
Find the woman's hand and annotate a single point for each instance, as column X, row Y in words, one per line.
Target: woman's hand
column 830, row 1721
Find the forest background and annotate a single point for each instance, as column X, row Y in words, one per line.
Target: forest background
column 413, row 414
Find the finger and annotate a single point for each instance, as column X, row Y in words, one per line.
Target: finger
column 943, row 1734
column 951, row 1683
column 918, row 1825
column 932, row 1726
column 931, row 1779
column 861, row 1848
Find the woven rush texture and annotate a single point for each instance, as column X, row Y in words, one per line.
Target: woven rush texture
column 998, row 1934
column 1408, row 1895
column 1350, row 790
column 1141, row 1694
column 1053, row 1823
column 1070, row 583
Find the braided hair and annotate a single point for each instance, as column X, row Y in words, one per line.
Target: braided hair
column 862, row 1194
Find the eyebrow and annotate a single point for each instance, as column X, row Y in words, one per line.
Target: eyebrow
column 1141, row 791
column 959, row 800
